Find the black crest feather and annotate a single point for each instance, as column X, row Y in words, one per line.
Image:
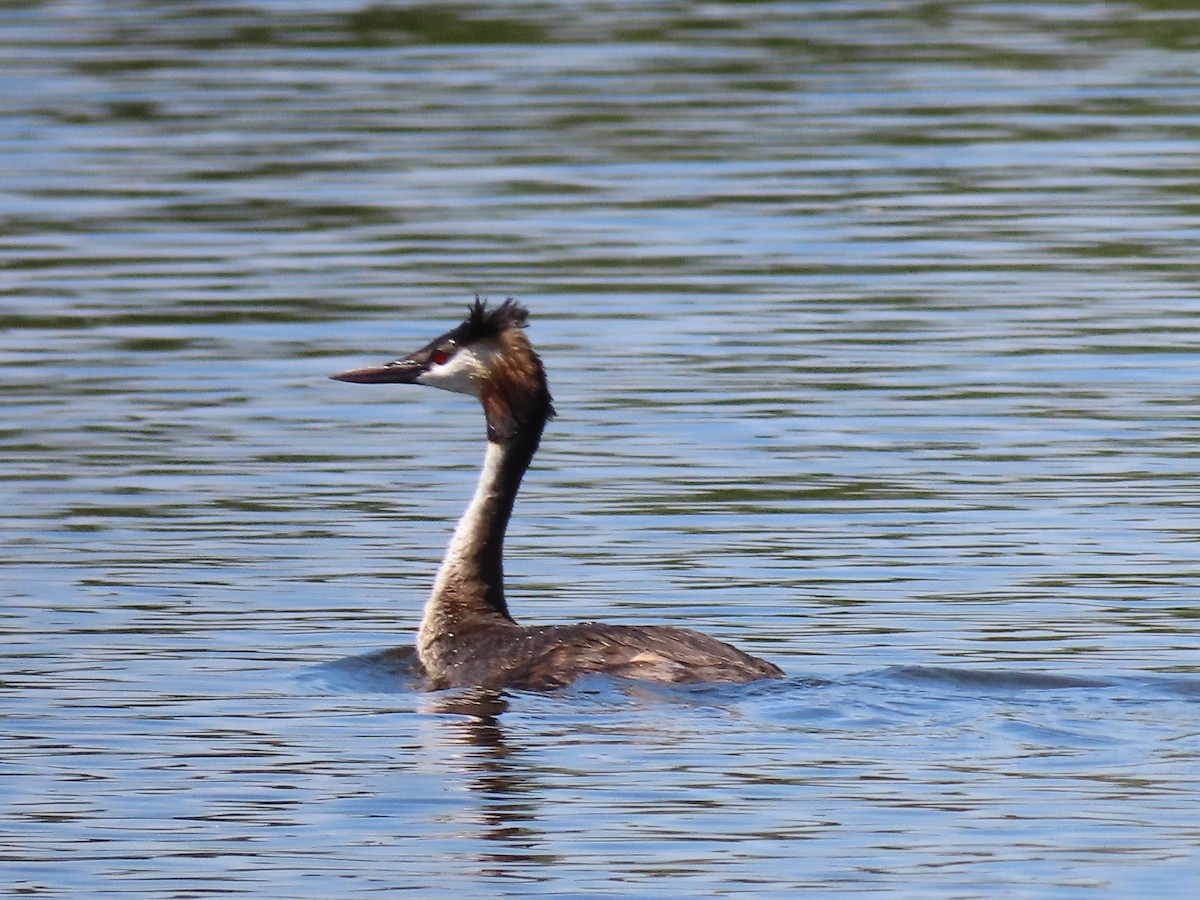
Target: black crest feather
column 484, row 322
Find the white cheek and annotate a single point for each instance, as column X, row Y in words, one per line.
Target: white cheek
column 459, row 374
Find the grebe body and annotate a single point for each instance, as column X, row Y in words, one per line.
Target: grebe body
column 467, row 636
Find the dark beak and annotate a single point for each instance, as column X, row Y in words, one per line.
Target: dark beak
column 402, row 371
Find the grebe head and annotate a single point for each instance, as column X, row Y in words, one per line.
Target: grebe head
column 488, row 356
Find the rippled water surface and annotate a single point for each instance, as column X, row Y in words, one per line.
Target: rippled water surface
column 872, row 329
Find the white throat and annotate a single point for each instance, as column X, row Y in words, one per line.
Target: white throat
column 459, row 564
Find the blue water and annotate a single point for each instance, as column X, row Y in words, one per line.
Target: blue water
column 872, row 332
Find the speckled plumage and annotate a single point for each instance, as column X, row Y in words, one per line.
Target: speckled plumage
column 551, row 656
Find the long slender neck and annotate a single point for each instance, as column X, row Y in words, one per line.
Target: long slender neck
column 469, row 590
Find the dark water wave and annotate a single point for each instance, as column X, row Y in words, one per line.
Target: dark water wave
column 396, row 670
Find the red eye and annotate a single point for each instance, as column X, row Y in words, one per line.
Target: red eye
column 439, row 357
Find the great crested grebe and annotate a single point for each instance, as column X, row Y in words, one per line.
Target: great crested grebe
column 467, row 637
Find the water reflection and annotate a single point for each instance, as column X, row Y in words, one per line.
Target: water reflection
column 482, row 705
column 506, row 783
